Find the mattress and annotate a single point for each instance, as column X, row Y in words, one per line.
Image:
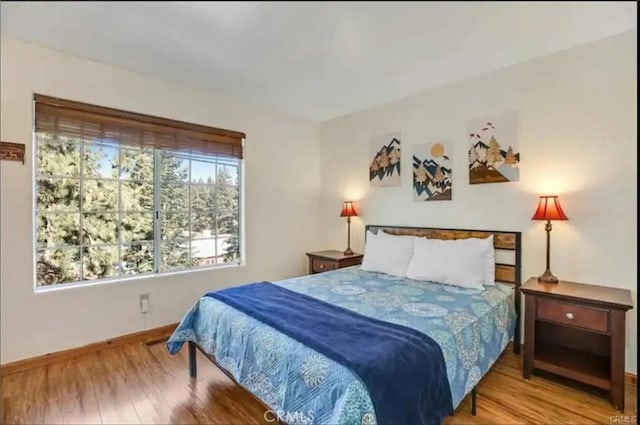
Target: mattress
column 300, row 385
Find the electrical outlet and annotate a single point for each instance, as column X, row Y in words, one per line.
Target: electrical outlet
column 144, row 303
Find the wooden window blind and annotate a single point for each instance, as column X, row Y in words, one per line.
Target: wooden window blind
column 89, row 122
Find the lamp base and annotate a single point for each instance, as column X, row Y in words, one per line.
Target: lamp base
column 547, row 277
column 348, row 251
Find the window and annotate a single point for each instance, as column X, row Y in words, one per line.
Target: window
column 121, row 194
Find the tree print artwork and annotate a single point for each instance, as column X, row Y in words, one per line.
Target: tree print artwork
column 432, row 171
column 384, row 169
column 493, row 149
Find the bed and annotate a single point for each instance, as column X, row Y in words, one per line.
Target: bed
column 301, row 385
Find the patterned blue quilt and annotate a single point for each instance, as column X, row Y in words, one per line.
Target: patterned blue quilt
column 304, row 387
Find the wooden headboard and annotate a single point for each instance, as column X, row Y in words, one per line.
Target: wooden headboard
column 508, row 246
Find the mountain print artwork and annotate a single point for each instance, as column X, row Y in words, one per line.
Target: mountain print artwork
column 493, row 149
column 432, row 172
column 384, row 169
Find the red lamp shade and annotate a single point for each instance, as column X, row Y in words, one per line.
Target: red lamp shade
column 549, row 209
column 348, row 210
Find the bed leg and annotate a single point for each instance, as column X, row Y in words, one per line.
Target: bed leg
column 192, row 360
column 474, row 400
column 516, row 335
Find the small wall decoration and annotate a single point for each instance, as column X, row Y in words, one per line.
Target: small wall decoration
column 432, row 171
column 12, row 151
column 384, row 170
column 494, row 156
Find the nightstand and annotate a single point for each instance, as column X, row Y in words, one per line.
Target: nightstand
column 323, row 261
column 577, row 331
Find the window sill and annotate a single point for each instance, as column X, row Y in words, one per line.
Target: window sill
column 121, row 280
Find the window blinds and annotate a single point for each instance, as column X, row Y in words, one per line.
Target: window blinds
column 89, row 122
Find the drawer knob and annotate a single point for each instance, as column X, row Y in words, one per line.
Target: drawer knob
column 321, row 266
column 569, row 316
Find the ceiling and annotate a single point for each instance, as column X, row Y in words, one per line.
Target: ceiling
column 312, row 59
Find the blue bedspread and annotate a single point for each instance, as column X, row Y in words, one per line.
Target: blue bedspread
column 303, row 386
column 398, row 365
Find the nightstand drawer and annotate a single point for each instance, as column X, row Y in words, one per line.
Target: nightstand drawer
column 575, row 315
column 323, row 261
column 323, row 265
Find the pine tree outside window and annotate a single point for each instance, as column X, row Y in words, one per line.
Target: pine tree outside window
column 121, row 194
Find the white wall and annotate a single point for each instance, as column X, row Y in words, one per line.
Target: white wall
column 282, row 178
column 577, row 132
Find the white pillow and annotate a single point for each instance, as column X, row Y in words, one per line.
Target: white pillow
column 384, row 253
column 490, row 268
column 458, row 262
column 486, row 244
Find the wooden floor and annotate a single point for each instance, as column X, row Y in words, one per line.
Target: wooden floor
column 143, row 384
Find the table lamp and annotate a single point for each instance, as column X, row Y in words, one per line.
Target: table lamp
column 549, row 209
column 348, row 211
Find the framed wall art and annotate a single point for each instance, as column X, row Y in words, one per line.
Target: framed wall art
column 432, row 171
column 384, row 168
column 494, row 156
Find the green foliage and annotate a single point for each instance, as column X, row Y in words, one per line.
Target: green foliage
column 215, row 206
column 113, row 233
column 227, row 201
column 174, row 200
